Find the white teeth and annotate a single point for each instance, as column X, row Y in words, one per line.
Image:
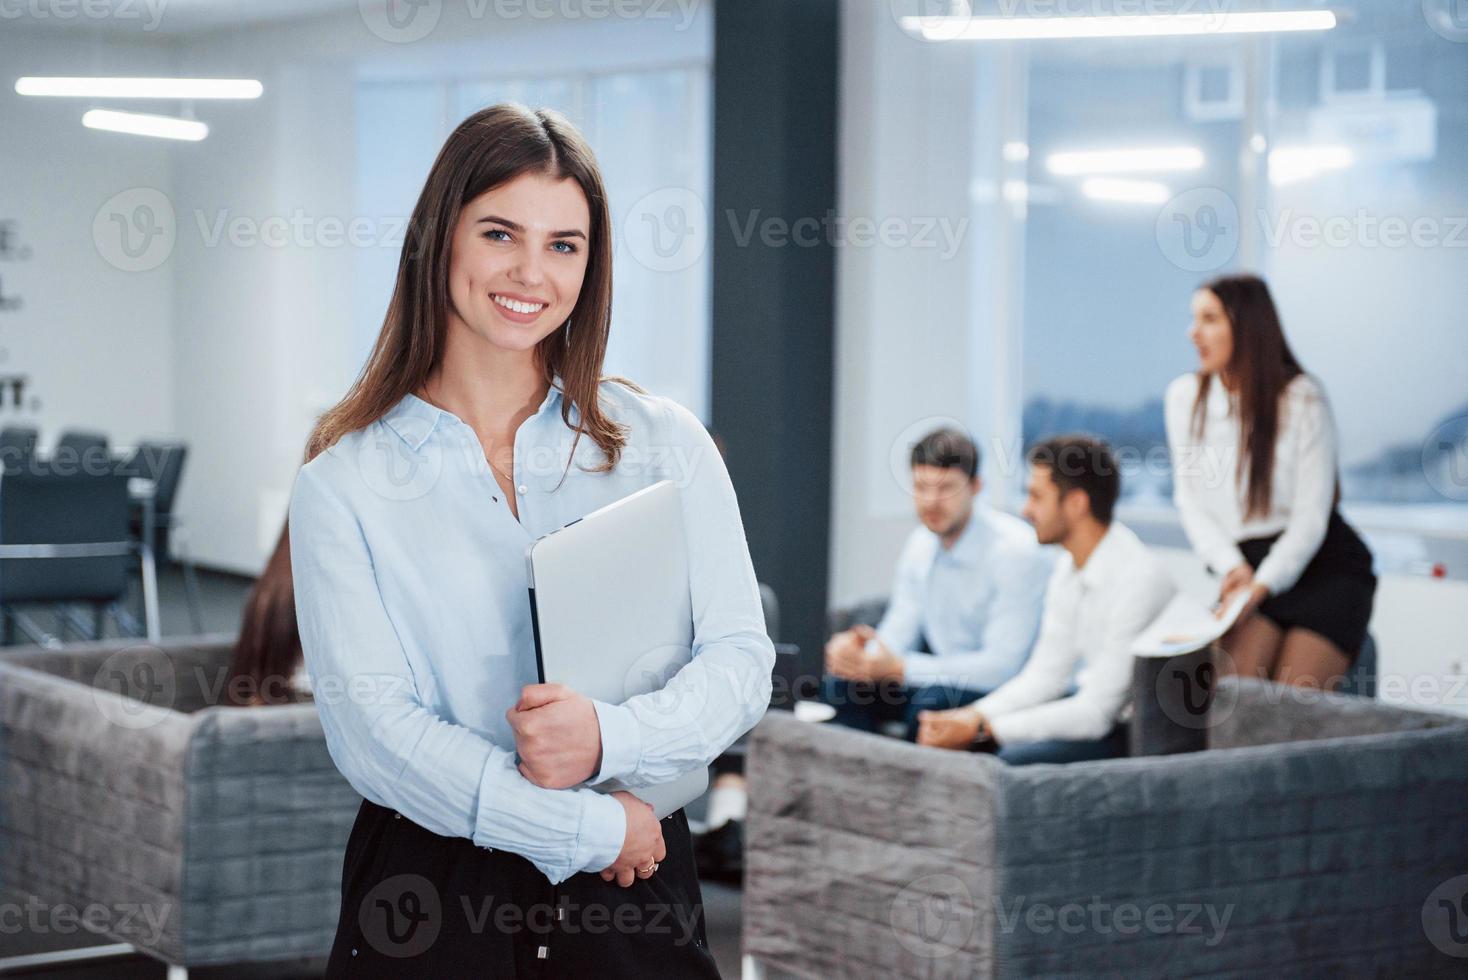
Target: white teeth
column 517, row 306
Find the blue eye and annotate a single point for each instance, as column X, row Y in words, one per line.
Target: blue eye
column 495, row 231
column 570, row 249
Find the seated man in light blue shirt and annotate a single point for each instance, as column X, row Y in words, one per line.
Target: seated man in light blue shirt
column 970, row 583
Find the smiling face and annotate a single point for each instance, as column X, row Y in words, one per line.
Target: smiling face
column 1211, row 333
column 1046, row 507
column 518, row 259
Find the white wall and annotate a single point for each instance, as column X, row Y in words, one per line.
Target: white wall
column 93, row 340
column 917, row 336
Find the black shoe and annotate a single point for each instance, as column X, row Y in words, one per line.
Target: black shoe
column 719, row 853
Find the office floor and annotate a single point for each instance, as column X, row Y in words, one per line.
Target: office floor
column 222, row 597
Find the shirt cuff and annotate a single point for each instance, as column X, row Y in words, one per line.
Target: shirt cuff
column 603, row 832
column 621, row 742
column 1008, row 728
column 1225, row 559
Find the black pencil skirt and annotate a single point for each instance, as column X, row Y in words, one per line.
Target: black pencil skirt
column 1334, row 594
column 417, row 904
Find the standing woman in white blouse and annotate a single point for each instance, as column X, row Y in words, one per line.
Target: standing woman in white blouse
column 1255, row 482
column 480, row 422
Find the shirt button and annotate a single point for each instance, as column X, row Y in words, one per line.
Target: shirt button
column 521, row 488
column 397, row 816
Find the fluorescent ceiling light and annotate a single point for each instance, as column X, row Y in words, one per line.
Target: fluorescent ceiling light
column 1289, row 164
column 961, row 28
column 141, row 88
column 143, row 124
column 1142, row 159
column 1125, row 191
column 1016, row 152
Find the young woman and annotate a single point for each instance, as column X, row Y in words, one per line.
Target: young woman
column 480, row 422
column 1254, row 454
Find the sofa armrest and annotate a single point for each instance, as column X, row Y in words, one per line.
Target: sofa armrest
column 1250, row 711
column 866, row 855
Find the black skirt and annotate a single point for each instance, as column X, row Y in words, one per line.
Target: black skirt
column 415, row 903
column 1335, row 592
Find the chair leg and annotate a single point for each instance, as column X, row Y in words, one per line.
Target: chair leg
column 191, row 593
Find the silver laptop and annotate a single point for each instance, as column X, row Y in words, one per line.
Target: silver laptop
column 612, row 613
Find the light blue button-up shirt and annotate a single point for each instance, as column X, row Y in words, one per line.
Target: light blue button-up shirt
column 411, row 595
column 977, row 603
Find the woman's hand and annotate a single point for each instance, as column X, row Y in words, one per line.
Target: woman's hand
column 1240, row 578
column 556, row 735
column 643, row 846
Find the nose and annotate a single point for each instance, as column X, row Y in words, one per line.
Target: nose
column 527, row 270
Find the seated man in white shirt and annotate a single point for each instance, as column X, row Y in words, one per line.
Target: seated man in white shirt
column 1105, row 590
column 970, row 583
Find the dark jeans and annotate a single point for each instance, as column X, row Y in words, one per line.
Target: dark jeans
column 1113, row 746
column 868, row 707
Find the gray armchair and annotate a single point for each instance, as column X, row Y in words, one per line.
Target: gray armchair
column 124, row 783
column 1308, row 839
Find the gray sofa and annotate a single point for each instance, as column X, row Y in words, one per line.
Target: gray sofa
column 1308, row 839
column 211, row 834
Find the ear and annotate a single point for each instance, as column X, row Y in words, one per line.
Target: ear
column 975, row 485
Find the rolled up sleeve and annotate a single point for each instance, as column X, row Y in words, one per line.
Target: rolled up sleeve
column 395, row 752
column 725, row 688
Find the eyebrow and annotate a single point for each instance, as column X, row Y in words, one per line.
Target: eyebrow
column 515, row 226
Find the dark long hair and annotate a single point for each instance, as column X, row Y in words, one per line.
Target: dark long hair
column 268, row 649
column 491, row 147
column 1261, row 366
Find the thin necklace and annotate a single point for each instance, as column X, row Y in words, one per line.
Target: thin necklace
column 508, row 478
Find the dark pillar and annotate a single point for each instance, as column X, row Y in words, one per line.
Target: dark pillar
column 775, row 85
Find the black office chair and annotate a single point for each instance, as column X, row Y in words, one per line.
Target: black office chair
column 17, row 447
column 63, row 539
column 80, row 451
column 162, row 463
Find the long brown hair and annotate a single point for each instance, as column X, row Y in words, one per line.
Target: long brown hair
column 491, row 147
column 268, row 650
column 1261, row 366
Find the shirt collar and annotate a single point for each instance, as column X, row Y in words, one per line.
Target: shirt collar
column 414, row 419
column 1107, row 558
column 968, row 549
